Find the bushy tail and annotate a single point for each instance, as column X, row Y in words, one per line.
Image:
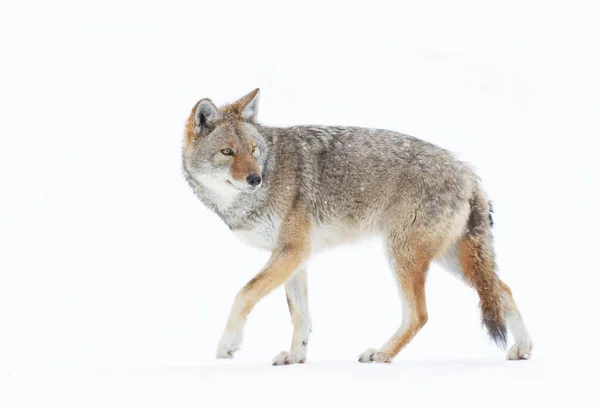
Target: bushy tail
column 479, row 267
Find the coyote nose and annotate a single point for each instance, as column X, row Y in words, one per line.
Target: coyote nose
column 253, row 179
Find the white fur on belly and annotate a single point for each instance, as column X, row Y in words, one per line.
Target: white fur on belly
column 325, row 236
column 265, row 233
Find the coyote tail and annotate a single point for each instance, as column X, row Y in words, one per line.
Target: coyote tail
column 479, row 267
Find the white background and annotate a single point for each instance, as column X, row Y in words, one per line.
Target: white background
column 115, row 281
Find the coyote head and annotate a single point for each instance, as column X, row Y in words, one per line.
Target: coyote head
column 223, row 149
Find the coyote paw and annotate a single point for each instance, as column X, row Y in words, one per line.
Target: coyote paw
column 229, row 344
column 373, row 356
column 519, row 352
column 287, row 358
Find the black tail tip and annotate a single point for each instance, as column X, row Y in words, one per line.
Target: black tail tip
column 497, row 332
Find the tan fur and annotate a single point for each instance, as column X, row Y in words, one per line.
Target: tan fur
column 190, row 129
column 478, row 270
column 521, row 350
column 334, row 184
column 411, row 258
column 242, row 165
column 294, row 248
column 510, row 306
column 234, row 110
column 412, row 280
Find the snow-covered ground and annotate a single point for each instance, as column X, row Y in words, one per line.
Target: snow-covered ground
column 115, row 282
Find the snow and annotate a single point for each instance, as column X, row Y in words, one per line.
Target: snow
column 115, row 282
column 425, row 383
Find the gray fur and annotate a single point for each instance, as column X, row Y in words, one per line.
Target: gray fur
column 344, row 174
column 206, row 115
column 348, row 182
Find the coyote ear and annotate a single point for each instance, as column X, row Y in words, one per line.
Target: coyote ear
column 249, row 105
column 206, row 115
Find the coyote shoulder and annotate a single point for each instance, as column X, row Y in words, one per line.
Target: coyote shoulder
column 298, row 190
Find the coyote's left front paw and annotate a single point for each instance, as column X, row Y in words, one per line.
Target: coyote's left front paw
column 373, row 356
column 229, row 344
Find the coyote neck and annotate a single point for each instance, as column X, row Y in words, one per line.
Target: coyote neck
column 238, row 210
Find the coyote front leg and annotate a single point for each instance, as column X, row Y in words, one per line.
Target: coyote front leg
column 292, row 251
column 296, row 289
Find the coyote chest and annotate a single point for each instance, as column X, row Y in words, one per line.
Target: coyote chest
column 263, row 234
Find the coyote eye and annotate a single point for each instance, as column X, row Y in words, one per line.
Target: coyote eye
column 227, row 152
column 255, row 150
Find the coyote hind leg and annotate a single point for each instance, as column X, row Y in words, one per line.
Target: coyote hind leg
column 521, row 350
column 410, row 264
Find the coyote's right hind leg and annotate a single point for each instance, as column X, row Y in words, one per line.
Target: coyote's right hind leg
column 521, row 350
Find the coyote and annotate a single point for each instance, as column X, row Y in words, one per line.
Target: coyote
column 297, row 190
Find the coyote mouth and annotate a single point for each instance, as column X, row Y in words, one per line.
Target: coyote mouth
column 248, row 190
column 251, row 190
